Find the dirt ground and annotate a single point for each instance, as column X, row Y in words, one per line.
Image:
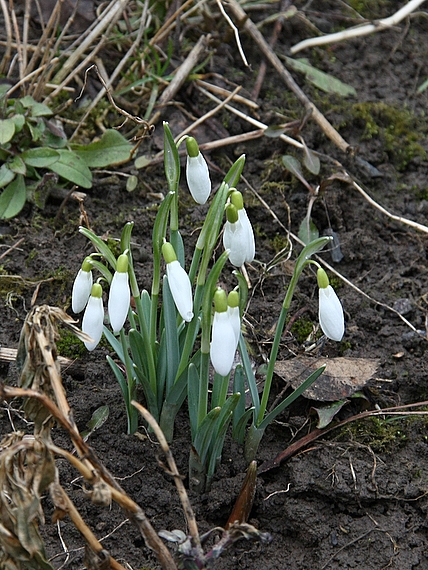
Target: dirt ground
column 357, row 498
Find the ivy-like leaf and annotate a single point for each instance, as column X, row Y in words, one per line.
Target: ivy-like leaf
column 6, row 175
column 17, row 165
column 112, row 148
column 293, row 165
column 13, row 198
column 308, row 231
column 7, row 130
column 72, row 168
column 40, row 157
column 37, row 109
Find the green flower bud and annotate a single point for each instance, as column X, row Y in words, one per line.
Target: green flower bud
column 236, row 199
column 220, row 300
column 231, row 214
column 233, row 299
column 322, row 278
column 192, row 147
column 168, row 252
column 122, row 263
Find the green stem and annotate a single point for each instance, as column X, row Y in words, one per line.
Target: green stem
column 204, row 375
column 220, row 388
column 132, row 413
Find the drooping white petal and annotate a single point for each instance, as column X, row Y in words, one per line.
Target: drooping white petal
column 222, row 348
column 198, row 178
column 234, row 239
column 119, row 300
column 93, row 320
column 81, row 290
column 181, row 289
column 331, row 314
column 235, row 321
column 249, row 239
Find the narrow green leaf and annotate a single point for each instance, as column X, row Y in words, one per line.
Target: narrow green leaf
column 193, row 385
column 235, row 171
column 423, row 86
column 290, row 399
column 204, row 434
column 170, row 320
column 112, row 148
column 171, row 159
column 72, row 168
column 309, row 250
column 40, row 157
column 322, row 80
column 100, row 246
column 13, row 198
column 7, row 130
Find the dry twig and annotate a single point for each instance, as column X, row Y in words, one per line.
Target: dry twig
column 361, row 30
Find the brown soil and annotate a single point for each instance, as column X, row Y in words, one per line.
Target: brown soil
column 358, row 497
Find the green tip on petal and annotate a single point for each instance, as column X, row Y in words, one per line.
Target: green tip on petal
column 220, row 300
column 322, row 278
column 192, row 147
column 87, row 265
column 233, row 299
column 237, row 200
column 168, row 252
column 231, row 214
column 122, row 263
column 97, row 290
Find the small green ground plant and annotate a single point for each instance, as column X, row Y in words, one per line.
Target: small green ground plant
column 35, row 155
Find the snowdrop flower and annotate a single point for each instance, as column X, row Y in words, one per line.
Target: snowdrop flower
column 198, row 177
column 179, row 283
column 82, row 287
column 223, row 338
column 93, row 319
column 234, row 314
column 238, row 235
column 330, row 309
column 120, row 295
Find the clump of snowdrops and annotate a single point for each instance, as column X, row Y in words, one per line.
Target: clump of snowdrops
column 167, row 341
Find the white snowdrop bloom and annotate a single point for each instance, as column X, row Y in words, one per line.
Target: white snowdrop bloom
column 181, row 289
column 179, row 283
column 330, row 309
column 93, row 318
column 234, row 315
column 81, row 287
column 238, row 235
column 197, row 173
column 120, row 295
column 249, row 234
column 223, row 344
column 223, row 337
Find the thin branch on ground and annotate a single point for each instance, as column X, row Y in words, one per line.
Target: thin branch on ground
column 187, row 507
column 361, row 30
column 274, row 60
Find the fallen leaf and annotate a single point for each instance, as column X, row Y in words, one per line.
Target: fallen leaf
column 342, row 377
